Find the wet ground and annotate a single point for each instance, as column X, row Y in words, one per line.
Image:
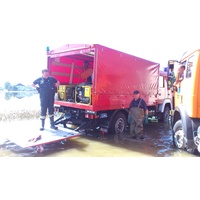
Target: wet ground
column 157, row 143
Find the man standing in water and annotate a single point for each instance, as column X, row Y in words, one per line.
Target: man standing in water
column 138, row 113
column 46, row 86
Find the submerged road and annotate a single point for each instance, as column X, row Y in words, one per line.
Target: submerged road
column 157, row 143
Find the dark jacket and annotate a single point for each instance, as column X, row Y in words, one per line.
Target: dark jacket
column 135, row 103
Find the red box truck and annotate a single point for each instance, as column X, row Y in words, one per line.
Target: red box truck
column 97, row 84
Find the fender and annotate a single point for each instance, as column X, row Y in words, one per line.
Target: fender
column 180, row 113
column 161, row 107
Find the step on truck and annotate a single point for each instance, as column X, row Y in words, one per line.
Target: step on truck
column 186, row 100
column 97, row 84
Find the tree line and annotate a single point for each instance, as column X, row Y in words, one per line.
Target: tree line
column 10, row 87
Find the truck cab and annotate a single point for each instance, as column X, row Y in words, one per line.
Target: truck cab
column 163, row 102
column 186, row 114
column 164, row 98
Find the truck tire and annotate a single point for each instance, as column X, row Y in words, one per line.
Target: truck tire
column 179, row 138
column 166, row 114
column 118, row 123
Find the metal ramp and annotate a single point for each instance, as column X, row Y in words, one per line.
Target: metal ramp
column 30, row 138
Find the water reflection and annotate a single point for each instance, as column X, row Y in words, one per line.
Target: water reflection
column 157, row 143
column 18, row 95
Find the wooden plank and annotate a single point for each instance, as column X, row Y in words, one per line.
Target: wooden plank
column 65, row 65
column 71, row 75
column 65, row 74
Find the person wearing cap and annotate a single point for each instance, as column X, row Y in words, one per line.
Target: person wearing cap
column 138, row 114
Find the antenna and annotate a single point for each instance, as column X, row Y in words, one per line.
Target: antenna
column 183, row 54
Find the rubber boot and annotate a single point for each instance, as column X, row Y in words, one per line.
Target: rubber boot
column 141, row 135
column 42, row 124
column 132, row 134
column 52, row 123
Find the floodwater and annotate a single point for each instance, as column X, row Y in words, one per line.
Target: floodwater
column 157, row 143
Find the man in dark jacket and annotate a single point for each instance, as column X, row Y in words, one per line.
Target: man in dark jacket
column 138, row 113
column 46, row 86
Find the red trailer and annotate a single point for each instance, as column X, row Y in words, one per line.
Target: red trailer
column 97, row 84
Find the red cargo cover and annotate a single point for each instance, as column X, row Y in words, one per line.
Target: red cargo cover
column 115, row 75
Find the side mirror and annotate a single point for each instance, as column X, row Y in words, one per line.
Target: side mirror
column 170, row 75
column 170, row 65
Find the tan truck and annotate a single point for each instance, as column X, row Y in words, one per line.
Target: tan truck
column 186, row 100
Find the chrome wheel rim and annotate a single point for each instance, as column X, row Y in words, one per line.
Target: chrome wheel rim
column 119, row 127
column 179, row 139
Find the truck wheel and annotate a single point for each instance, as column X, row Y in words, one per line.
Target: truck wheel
column 119, row 123
column 179, row 138
column 166, row 114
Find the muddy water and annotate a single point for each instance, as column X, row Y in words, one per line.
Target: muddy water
column 157, row 143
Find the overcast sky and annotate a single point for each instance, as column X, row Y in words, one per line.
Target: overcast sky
column 156, row 30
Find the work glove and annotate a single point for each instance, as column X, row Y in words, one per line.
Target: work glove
column 146, row 119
